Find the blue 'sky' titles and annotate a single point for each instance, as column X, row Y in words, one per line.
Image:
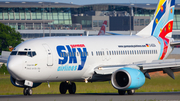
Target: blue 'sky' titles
column 71, row 56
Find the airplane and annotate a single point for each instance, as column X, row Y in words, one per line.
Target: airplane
column 102, row 31
column 125, row 60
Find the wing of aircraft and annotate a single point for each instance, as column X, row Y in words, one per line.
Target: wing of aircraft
column 167, row 66
column 113, row 33
column 175, row 43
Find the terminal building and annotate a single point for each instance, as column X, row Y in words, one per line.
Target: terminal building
column 42, row 19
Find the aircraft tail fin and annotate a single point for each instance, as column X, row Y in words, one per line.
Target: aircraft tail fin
column 162, row 23
column 102, row 31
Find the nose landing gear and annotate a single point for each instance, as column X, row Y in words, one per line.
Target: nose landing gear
column 64, row 86
column 27, row 91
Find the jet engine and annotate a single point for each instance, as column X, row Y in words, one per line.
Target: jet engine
column 21, row 83
column 127, row 78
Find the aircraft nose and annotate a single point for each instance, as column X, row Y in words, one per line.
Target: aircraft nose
column 14, row 66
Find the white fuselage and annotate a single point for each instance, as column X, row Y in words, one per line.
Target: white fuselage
column 47, row 64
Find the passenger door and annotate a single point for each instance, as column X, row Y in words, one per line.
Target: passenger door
column 49, row 55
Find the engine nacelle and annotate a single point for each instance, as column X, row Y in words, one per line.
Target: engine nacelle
column 21, row 83
column 127, row 78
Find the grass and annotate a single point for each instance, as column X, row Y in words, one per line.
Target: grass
column 157, row 84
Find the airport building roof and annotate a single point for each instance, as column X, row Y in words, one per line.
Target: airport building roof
column 37, row 4
column 136, row 5
column 71, row 5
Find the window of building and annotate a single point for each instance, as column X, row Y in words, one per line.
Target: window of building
column 1, row 16
column 100, row 22
column 175, row 25
column 12, row 25
column 95, row 23
column 6, row 15
column 33, row 15
column 147, row 22
column 38, row 14
column 11, row 15
column 141, row 22
column 66, row 16
column 22, row 13
column 61, row 15
column 28, row 16
column 136, row 22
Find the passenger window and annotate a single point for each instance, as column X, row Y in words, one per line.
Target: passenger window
column 114, row 52
column 100, row 53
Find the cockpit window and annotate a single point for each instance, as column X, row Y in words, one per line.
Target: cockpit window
column 33, row 53
column 29, row 54
column 13, row 53
column 22, row 53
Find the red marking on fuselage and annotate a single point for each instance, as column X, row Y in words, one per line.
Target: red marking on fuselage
column 77, row 45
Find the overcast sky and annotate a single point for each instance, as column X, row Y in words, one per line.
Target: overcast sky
column 83, row 2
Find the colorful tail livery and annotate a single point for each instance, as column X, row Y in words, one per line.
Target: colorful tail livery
column 103, row 29
column 161, row 26
column 162, row 23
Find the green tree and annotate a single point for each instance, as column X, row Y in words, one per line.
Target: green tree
column 3, row 69
column 8, row 37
